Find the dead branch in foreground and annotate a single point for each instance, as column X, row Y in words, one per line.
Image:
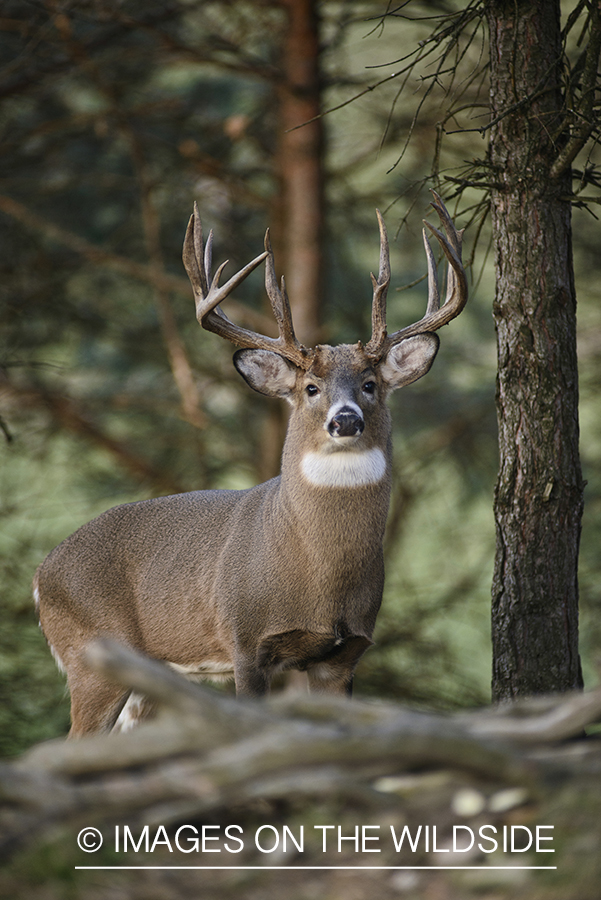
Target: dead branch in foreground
column 206, row 751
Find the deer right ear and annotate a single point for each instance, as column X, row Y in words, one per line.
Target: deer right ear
column 266, row 372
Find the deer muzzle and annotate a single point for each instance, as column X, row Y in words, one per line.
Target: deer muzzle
column 346, row 422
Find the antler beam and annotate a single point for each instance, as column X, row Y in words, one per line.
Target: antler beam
column 208, row 295
column 436, row 316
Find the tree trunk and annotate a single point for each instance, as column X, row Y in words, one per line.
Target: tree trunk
column 300, row 167
column 538, row 499
column 298, row 210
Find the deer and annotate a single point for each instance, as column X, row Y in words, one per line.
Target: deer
column 287, row 574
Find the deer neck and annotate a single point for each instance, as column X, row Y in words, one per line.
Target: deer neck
column 343, row 494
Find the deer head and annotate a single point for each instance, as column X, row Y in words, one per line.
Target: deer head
column 336, row 391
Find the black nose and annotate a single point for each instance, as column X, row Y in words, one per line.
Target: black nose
column 346, row 423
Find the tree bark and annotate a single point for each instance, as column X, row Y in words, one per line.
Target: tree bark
column 298, row 209
column 300, row 167
column 539, row 492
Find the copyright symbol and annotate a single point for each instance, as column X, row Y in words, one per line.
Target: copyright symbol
column 89, row 840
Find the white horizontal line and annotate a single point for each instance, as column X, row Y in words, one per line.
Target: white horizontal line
column 323, row 868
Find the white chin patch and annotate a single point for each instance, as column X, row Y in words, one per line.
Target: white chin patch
column 344, row 469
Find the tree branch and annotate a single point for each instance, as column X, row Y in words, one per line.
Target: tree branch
column 585, row 113
column 142, row 272
column 207, row 751
column 70, row 417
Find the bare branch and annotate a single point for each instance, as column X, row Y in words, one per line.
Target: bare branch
column 587, row 121
column 66, row 411
column 206, row 752
column 141, row 272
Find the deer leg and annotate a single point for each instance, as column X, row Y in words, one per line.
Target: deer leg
column 334, row 675
column 251, row 680
column 137, row 709
column 95, row 703
column 328, row 678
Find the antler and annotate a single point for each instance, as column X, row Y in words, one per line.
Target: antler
column 198, row 260
column 436, row 316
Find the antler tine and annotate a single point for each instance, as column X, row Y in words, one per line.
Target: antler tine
column 454, row 238
column 380, row 286
column 436, row 316
column 279, row 299
column 286, row 343
column 433, row 292
column 197, row 261
column 193, row 257
column 208, row 254
column 208, row 295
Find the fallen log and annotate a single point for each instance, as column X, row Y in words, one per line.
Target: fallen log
column 207, row 753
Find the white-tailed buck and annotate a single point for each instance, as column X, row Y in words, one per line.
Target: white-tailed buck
column 287, row 574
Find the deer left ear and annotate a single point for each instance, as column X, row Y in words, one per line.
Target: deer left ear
column 409, row 360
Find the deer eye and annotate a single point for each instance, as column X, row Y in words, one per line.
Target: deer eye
column 312, row 390
column 369, row 387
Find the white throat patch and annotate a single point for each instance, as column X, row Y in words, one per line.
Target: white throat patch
column 345, row 468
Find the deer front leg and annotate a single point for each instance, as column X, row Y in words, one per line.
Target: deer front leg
column 251, row 679
column 328, row 679
column 334, row 675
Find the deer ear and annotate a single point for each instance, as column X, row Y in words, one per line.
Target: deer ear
column 266, row 372
column 409, row 360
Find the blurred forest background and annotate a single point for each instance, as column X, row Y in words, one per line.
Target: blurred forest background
column 114, row 118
